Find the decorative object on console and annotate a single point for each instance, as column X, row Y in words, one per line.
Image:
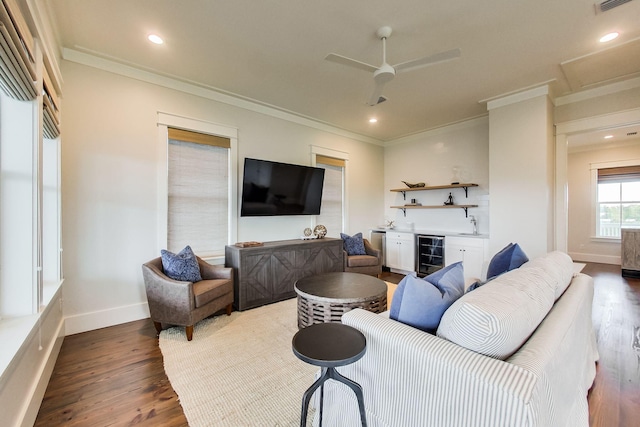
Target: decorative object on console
column 510, row 257
column 389, row 224
column 418, row 185
column 248, row 244
column 354, row 245
column 182, row 266
column 422, row 302
column 308, row 232
column 320, row 231
column 449, row 201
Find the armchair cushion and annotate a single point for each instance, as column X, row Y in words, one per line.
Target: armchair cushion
column 362, row 261
column 206, row 291
column 354, row 245
column 182, row 266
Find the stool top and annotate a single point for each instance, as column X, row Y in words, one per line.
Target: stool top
column 329, row 344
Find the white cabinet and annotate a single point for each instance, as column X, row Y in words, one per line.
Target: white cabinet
column 400, row 251
column 470, row 250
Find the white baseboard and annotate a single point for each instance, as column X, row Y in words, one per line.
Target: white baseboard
column 101, row 319
column 602, row 259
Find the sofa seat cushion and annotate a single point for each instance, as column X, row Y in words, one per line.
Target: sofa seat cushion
column 497, row 318
column 362, row 261
column 206, row 291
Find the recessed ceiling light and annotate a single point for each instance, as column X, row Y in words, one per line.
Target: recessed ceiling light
column 373, row 120
column 154, row 38
column 608, row 136
column 609, row 37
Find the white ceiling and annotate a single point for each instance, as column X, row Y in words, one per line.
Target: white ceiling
column 272, row 51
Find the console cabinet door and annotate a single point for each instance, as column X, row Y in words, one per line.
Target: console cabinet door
column 268, row 273
column 469, row 250
column 400, row 251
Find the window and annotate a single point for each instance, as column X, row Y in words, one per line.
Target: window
column 198, row 192
column 197, row 199
column 333, row 195
column 18, row 284
column 618, row 200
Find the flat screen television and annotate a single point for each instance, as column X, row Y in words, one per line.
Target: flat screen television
column 273, row 188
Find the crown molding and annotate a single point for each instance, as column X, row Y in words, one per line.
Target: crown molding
column 208, row 92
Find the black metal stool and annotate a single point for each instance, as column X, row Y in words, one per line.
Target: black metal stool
column 329, row 345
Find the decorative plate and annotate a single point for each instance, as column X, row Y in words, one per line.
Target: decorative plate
column 308, row 232
column 320, row 231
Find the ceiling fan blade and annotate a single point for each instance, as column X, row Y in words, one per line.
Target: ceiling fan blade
column 377, row 94
column 350, row 62
column 428, row 60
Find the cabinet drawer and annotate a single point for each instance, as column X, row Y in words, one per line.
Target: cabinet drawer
column 400, row 236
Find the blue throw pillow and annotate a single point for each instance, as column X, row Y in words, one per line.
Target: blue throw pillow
column 422, row 302
column 354, row 245
column 510, row 257
column 182, row 266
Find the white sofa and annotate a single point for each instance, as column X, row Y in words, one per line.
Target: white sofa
column 518, row 351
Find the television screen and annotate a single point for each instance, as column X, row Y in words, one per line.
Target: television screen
column 272, row 188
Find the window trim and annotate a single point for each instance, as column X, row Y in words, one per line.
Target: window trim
column 594, row 195
column 166, row 120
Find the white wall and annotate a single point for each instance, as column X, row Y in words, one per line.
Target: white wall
column 521, row 174
column 110, row 176
column 581, row 246
column 430, row 157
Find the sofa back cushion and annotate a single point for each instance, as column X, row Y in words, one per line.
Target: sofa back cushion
column 559, row 265
column 497, row 318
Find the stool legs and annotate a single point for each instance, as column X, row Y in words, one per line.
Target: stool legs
column 331, row 373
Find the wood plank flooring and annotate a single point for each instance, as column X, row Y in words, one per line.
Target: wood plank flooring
column 115, row 376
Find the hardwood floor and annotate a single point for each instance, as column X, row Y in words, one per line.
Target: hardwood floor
column 115, row 376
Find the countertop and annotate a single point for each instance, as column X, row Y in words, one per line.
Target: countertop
column 432, row 232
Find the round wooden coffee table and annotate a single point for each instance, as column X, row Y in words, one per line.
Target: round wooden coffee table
column 326, row 297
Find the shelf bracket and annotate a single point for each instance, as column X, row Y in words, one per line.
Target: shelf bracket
column 404, row 211
column 466, row 214
column 404, row 196
column 466, row 192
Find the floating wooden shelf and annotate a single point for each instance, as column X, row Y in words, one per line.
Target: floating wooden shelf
column 465, row 207
column 435, row 187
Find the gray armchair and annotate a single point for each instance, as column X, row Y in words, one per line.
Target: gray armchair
column 185, row 303
column 370, row 264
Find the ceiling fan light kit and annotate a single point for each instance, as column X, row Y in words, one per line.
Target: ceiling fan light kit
column 385, row 72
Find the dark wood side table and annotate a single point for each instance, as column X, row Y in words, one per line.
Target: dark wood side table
column 326, row 297
column 329, row 345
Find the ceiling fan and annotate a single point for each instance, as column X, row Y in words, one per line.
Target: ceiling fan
column 385, row 72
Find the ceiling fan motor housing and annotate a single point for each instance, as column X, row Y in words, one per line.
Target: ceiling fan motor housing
column 384, row 74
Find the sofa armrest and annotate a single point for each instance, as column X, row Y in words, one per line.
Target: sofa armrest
column 370, row 250
column 405, row 369
column 164, row 294
column 210, row 272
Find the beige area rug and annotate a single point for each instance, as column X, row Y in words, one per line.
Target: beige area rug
column 239, row 370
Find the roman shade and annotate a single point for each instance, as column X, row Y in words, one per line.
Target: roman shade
column 619, row 174
column 17, row 60
column 50, row 108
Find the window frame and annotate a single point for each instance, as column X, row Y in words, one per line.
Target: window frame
column 595, row 204
column 166, row 120
column 340, row 155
